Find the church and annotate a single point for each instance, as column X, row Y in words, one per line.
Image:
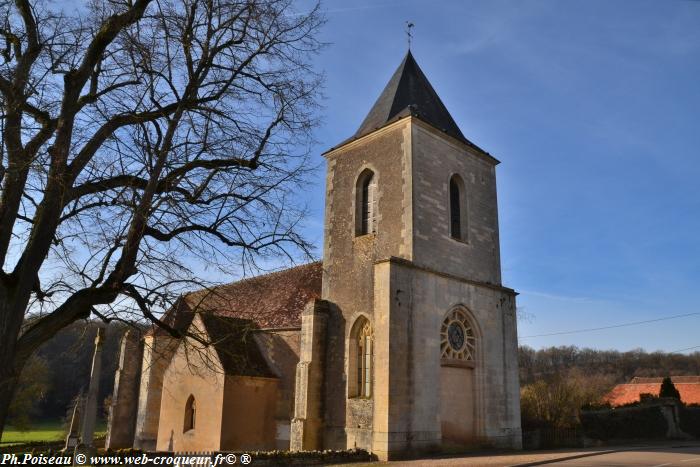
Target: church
column 401, row 340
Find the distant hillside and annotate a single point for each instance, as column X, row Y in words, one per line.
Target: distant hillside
column 63, row 368
column 69, row 358
column 619, row 366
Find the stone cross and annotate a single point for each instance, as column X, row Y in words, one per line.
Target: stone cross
column 90, row 413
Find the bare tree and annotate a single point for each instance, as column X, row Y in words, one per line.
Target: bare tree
column 139, row 136
column 555, row 401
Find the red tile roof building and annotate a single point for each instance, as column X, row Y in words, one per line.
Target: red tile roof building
column 626, row 393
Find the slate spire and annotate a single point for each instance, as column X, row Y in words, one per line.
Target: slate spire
column 409, row 93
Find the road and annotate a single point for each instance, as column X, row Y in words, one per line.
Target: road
column 658, row 457
column 671, row 455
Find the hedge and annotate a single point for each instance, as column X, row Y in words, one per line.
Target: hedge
column 690, row 421
column 625, row 423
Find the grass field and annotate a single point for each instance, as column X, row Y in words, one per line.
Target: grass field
column 43, row 431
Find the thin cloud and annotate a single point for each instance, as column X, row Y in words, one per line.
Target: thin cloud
column 331, row 11
column 551, row 296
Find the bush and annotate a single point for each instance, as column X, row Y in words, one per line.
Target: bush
column 554, row 402
column 31, row 390
column 690, row 420
column 596, row 406
column 627, row 423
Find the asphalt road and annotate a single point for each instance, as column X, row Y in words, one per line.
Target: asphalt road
column 657, row 457
column 671, row 455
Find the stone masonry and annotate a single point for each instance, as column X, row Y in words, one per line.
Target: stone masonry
column 122, row 411
column 405, row 278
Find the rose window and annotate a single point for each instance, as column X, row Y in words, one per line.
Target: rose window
column 457, row 339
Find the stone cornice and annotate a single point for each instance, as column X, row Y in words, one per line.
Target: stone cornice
column 411, row 264
column 351, row 143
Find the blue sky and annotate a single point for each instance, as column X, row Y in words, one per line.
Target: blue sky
column 593, row 109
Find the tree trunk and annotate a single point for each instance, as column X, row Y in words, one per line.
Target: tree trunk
column 10, row 368
column 8, row 383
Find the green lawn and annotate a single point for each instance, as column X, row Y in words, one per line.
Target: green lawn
column 43, row 431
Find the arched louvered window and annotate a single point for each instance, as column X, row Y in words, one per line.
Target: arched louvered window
column 366, row 202
column 458, row 209
column 190, row 414
column 364, row 368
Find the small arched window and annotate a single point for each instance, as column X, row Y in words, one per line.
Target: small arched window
column 458, row 209
column 190, row 414
column 361, row 359
column 366, row 203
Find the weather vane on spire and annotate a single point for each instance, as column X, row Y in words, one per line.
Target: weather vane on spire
column 409, row 35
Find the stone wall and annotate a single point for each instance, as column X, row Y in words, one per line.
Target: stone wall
column 170, row 373
column 307, row 424
column 404, row 279
column 157, row 352
column 410, row 304
column 348, row 259
column 192, row 371
column 280, row 348
column 248, row 413
column 435, row 159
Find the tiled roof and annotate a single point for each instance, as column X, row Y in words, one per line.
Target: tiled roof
column 688, row 387
column 659, row 380
column 235, row 346
column 177, row 317
column 273, row 300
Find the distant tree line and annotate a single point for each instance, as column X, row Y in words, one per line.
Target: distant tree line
column 618, row 366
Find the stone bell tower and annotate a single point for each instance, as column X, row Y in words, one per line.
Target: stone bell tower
column 420, row 335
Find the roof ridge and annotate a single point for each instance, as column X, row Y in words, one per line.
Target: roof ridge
column 677, row 379
column 671, row 376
